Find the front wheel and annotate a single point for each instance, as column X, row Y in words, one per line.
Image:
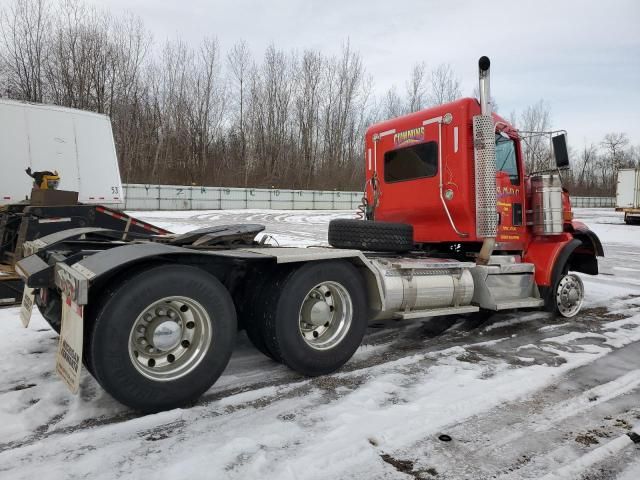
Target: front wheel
column 567, row 295
column 163, row 337
column 317, row 317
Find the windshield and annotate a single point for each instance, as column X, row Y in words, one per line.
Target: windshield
column 506, row 158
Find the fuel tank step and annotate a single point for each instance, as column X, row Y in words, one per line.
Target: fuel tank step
column 436, row 312
column 530, row 302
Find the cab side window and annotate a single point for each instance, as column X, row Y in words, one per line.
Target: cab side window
column 411, row 163
column 506, row 158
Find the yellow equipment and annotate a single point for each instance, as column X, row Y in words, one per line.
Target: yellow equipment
column 44, row 180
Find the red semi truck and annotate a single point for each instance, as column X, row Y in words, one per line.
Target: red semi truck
column 452, row 225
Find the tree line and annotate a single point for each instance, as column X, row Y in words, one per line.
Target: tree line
column 200, row 115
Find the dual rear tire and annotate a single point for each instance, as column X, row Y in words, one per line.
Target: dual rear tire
column 161, row 337
column 311, row 318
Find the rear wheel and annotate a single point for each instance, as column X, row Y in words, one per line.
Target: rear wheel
column 163, row 337
column 52, row 312
column 317, row 318
column 255, row 303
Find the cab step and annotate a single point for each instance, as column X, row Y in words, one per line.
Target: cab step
column 436, row 312
column 505, row 285
column 530, row 302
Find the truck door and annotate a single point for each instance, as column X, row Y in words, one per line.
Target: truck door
column 510, row 194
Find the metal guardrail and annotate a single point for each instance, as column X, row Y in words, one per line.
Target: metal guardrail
column 189, row 197
column 182, row 197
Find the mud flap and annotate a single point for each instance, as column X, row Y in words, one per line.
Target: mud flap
column 27, row 306
column 69, row 356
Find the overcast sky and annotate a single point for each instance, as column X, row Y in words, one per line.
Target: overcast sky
column 582, row 57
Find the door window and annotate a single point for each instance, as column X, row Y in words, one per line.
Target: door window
column 506, row 158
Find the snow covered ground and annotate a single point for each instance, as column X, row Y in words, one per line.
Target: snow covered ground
column 519, row 396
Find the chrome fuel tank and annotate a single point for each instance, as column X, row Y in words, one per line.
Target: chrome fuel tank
column 425, row 283
column 546, row 204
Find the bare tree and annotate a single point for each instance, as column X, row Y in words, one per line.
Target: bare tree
column 239, row 62
column 534, row 119
column 416, row 88
column 307, row 105
column 392, row 104
column 207, row 107
column 184, row 113
column 614, row 144
column 25, row 30
column 445, row 86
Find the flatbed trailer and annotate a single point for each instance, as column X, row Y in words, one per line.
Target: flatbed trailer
column 452, row 225
column 22, row 222
column 73, row 148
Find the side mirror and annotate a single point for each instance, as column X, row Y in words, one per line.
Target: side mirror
column 560, row 150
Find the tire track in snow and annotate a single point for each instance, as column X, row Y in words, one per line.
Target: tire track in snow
column 224, row 410
column 530, row 436
column 403, row 354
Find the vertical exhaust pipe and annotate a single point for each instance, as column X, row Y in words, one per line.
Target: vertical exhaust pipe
column 485, row 161
column 483, row 87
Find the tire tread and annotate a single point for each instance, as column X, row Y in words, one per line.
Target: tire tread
column 371, row 236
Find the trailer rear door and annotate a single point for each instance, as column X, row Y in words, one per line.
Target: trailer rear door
column 627, row 193
column 77, row 144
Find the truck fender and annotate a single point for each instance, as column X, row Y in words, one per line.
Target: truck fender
column 107, row 262
column 547, row 255
column 590, row 240
column 33, row 246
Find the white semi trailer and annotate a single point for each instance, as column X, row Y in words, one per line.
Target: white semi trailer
column 77, row 144
column 628, row 194
column 80, row 148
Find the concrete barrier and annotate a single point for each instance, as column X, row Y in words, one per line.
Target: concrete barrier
column 185, row 197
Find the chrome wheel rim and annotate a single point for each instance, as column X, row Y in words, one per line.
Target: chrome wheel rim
column 570, row 295
column 325, row 315
column 170, row 338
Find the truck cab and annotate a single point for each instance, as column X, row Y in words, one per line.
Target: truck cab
column 422, row 169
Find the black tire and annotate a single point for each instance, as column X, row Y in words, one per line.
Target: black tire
column 371, row 236
column 629, row 220
column 253, row 310
column 52, row 313
column 109, row 337
column 549, row 293
column 280, row 326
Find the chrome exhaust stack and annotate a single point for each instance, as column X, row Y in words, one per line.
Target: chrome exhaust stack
column 485, row 167
column 484, row 85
